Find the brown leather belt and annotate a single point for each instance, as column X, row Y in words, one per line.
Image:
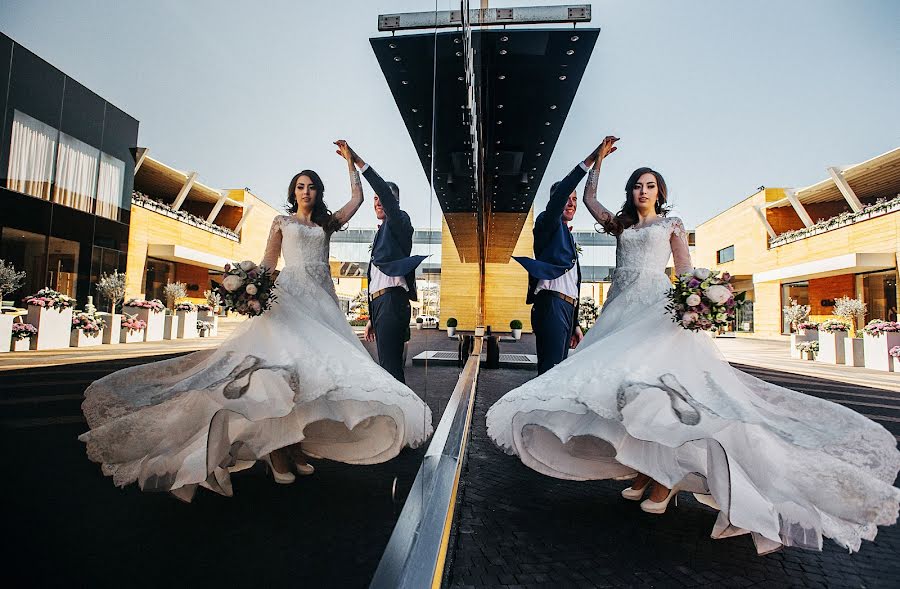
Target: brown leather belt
column 566, row 298
column 383, row 292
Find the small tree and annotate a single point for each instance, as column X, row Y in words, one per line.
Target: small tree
column 173, row 292
column 795, row 313
column 849, row 309
column 213, row 299
column 112, row 288
column 587, row 312
column 10, row 280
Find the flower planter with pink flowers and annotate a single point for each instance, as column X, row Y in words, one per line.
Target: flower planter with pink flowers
column 22, row 334
column 895, row 358
column 809, row 336
column 133, row 328
column 832, row 340
column 206, row 313
column 6, row 323
column 879, row 337
column 153, row 313
column 87, row 331
column 187, row 321
column 51, row 313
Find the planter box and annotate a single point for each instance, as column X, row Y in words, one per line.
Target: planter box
column 796, row 338
column 80, row 339
column 113, row 327
column 131, row 336
column 831, row 347
column 896, row 362
column 877, row 356
column 6, row 322
column 156, row 322
column 809, row 355
column 451, row 332
column 20, row 345
column 170, row 331
column 517, row 333
column 212, row 319
column 855, row 352
column 53, row 327
column 187, row 324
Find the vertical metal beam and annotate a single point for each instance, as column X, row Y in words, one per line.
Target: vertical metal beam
column 247, row 209
column 182, row 194
column 762, row 217
column 798, row 207
column 218, row 207
column 838, row 176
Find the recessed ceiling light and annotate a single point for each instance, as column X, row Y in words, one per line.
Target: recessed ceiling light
column 561, row 78
column 502, row 77
column 392, row 46
column 552, row 107
column 397, row 58
column 570, row 52
column 503, row 52
column 574, row 38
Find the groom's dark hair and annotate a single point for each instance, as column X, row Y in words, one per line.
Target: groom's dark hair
column 395, row 189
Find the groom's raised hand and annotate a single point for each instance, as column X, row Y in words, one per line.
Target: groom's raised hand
column 606, row 147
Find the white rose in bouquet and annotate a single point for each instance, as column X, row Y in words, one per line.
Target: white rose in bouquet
column 693, row 300
column 247, row 265
column 689, row 317
column 232, row 282
column 718, row 294
column 251, row 289
column 701, row 273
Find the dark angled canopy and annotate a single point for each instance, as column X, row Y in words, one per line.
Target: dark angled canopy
column 525, row 82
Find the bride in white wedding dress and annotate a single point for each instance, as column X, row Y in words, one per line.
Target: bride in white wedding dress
column 645, row 396
column 296, row 376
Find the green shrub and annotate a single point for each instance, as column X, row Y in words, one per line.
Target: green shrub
column 515, row 324
column 452, row 322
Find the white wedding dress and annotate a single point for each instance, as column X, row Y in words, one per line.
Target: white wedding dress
column 297, row 373
column 643, row 394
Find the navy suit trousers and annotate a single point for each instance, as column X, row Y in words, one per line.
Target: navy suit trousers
column 551, row 319
column 390, row 319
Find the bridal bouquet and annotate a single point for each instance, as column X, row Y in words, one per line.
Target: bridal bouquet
column 247, row 288
column 703, row 300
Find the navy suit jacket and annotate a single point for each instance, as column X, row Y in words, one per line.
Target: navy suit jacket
column 393, row 240
column 554, row 246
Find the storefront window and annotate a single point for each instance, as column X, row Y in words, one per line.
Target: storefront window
column 799, row 293
column 32, row 153
column 158, row 274
column 880, row 295
column 62, row 265
column 744, row 317
column 27, row 252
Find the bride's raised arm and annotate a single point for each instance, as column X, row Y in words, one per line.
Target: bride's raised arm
column 347, row 211
column 600, row 213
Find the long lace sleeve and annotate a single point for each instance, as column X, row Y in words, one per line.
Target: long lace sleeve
column 346, row 212
column 680, row 252
column 600, row 213
column 273, row 245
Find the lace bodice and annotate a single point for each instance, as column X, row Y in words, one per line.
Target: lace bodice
column 305, row 250
column 641, row 258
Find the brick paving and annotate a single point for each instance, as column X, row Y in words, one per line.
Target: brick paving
column 517, row 528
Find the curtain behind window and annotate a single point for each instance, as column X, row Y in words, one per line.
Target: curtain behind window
column 76, row 174
column 31, row 156
column 109, row 189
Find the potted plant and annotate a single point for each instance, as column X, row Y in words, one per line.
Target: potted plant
column 187, row 320
column 879, row 337
column 112, row 288
column 805, row 327
column 51, row 312
column 516, row 326
column 832, row 335
column 855, row 353
column 133, row 328
column 174, row 291
column 10, row 281
column 419, row 322
column 22, row 334
column 152, row 313
column 895, row 358
column 207, row 313
column 849, row 310
column 451, row 327
column 808, row 350
column 86, row 331
column 203, row 328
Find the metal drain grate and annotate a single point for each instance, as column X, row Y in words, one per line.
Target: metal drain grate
column 514, row 358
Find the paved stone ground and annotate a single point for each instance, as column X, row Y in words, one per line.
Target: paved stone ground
column 67, row 525
column 517, row 528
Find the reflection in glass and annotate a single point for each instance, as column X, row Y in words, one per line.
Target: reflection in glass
column 31, row 150
column 27, row 252
column 158, row 274
column 62, row 265
column 796, row 291
column 880, row 295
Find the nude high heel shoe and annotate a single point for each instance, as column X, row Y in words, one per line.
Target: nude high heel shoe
column 633, row 494
column 282, row 478
column 659, row 508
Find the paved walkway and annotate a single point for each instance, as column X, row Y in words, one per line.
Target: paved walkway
column 519, row 529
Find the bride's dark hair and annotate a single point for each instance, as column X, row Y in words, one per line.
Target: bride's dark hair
column 627, row 215
column 321, row 216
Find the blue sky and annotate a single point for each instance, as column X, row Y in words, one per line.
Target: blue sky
column 719, row 96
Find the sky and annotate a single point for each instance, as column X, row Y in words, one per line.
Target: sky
column 720, row 96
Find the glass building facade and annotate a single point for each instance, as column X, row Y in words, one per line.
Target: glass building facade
column 66, row 175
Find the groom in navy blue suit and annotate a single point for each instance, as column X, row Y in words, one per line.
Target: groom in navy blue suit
column 554, row 276
column 391, row 274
